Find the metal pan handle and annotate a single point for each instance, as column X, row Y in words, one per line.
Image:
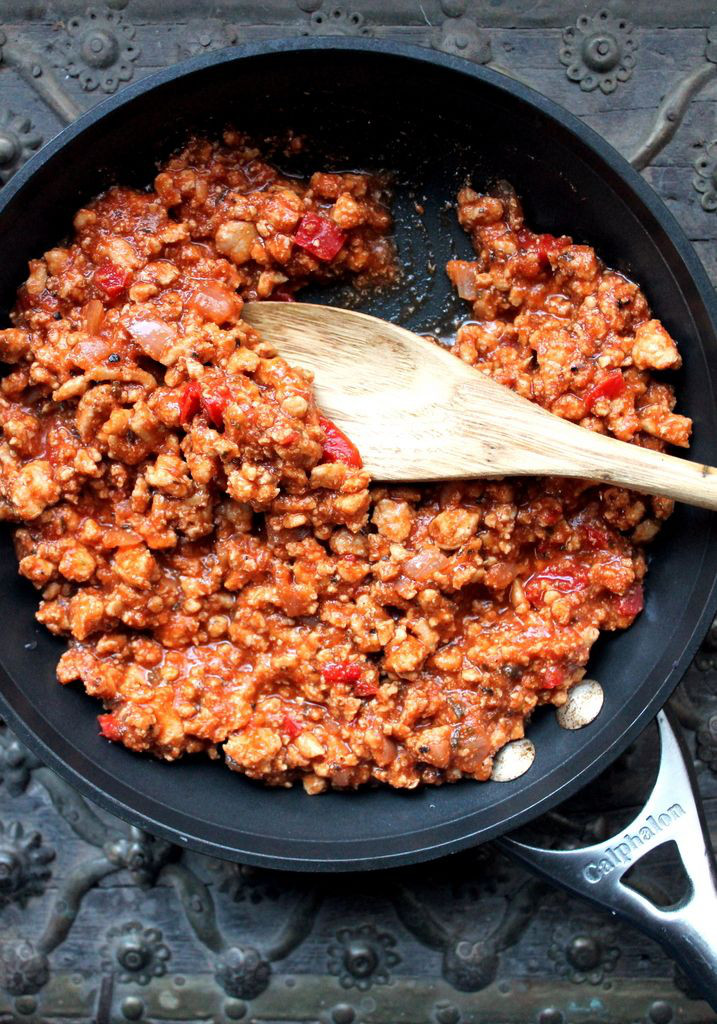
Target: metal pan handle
column 672, row 812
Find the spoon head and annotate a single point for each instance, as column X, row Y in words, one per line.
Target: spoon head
column 391, row 391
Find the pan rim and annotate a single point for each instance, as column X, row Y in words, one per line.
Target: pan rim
column 430, row 846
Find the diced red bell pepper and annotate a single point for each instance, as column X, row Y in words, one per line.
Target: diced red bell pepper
column 109, row 727
column 111, row 279
column 319, row 236
column 553, row 677
column 337, row 447
column 612, row 385
column 190, row 402
column 365, row 688
column 349, row 673
column 596, row 537
column 632, row 603
column 288, row 725
column 337, row 672
column 544, row 246
column 214, row 404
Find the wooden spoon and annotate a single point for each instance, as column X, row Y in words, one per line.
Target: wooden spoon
column 415, row 412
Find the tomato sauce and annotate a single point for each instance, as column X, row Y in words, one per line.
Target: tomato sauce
column 230, row 580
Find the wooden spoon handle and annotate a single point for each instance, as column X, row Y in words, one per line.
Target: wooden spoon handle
column 544, row 444
column 418, row 413
column 644, row 470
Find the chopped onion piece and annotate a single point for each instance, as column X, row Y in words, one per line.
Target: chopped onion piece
column 152, row 336
column 215, row 302
column 423, row 565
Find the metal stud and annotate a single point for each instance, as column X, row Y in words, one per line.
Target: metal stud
column 513, row 761
column 583, row 705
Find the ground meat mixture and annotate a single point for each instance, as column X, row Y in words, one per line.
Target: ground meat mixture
column 230, row 579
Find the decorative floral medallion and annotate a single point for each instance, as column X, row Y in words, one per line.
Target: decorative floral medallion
column 363, row 957
column 705, row 176
column 336, row 22
column 98, row 50
column 138, row 952
column 461, row 37
column 24, row 863
column 599, row 52
column 18, row 140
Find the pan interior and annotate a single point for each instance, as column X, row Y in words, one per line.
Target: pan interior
column 433, row 127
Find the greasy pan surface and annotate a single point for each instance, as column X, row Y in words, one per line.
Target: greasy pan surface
column 434, row 120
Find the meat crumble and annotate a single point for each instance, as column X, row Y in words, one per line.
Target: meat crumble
column 230, row 579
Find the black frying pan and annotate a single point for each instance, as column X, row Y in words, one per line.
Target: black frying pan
column 433, row 120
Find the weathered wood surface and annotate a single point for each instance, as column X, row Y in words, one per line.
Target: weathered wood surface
column 475, row 940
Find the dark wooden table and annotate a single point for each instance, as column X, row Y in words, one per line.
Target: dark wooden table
column 99, row 922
